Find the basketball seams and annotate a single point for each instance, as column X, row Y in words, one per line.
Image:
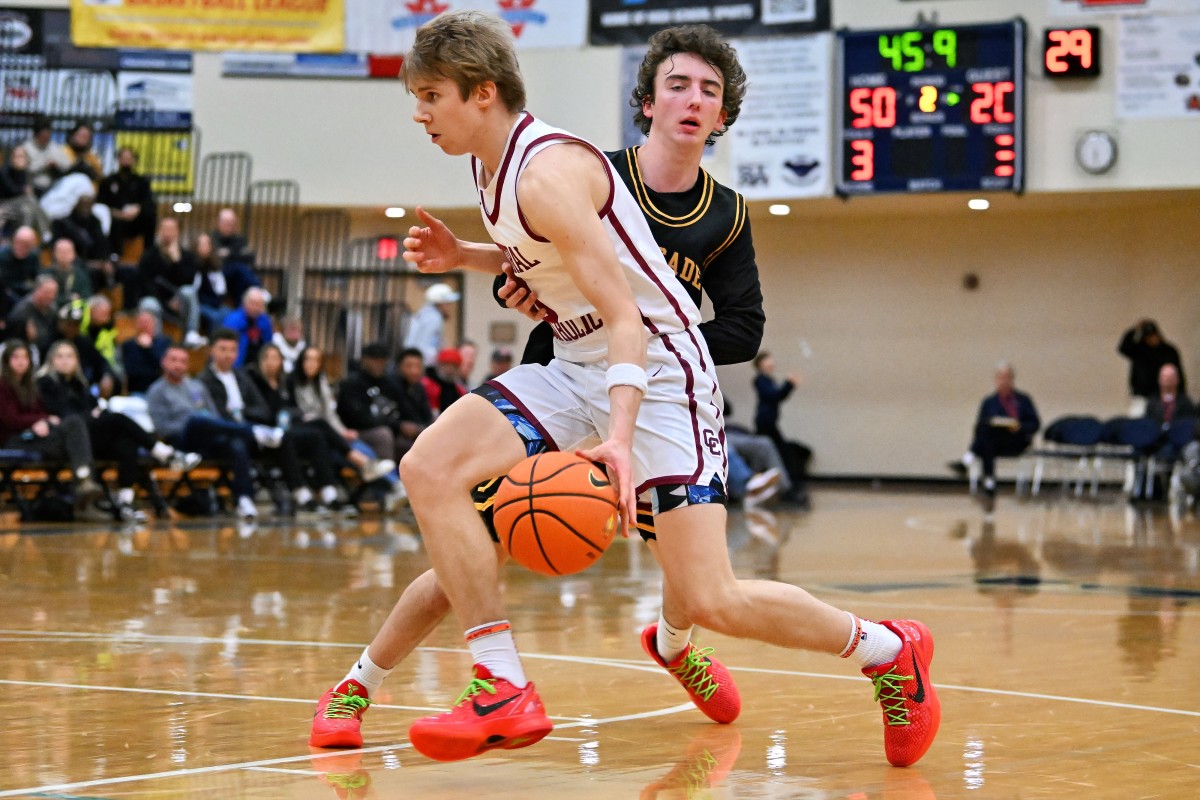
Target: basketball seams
column 547, row 484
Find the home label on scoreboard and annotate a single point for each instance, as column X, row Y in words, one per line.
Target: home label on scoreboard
column 932, row 109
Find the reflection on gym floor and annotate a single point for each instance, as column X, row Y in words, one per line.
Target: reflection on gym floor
column 186, row 659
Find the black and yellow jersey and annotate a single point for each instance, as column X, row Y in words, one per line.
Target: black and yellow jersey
column 704, row 234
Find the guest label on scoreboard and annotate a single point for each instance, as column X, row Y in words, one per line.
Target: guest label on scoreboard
column 932, row 109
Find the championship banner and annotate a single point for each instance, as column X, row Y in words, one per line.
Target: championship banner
column 386, row 26
column 259, row 25
column 622, row 22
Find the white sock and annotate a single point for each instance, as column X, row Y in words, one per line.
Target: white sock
column 303, row 495
column 870, row 643
column 83, row 473
column 328, row 495
column 162, row 451
column 968, row 458
column 989, row 483
column 671, row 641
column 125, row 496
column 367, row 672
column 492, row 646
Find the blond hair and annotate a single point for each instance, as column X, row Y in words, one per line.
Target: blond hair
column 468, row 48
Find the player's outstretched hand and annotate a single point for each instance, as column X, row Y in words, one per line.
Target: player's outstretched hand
column 516, row 294
column 433, row 248
column 618, row 458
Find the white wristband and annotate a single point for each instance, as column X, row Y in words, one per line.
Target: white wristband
column 625, row 375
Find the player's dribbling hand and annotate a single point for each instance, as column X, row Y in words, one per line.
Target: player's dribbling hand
column 517, row 295
column 433, row 248
column 617, row 458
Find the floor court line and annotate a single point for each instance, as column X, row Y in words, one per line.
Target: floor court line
column 620, row 663
column 270, row 762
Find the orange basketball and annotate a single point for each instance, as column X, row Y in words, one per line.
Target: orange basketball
column 555, row 513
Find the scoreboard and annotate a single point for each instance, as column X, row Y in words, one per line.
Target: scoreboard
column 931, row 109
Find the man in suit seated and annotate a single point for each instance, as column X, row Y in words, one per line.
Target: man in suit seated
column 1005, row 426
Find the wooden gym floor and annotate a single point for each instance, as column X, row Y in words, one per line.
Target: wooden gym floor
column 184, row 661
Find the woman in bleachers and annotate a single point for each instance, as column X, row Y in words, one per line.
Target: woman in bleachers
column 26, row 425
column 65, row 394
column 313, row 398
column 309, row 444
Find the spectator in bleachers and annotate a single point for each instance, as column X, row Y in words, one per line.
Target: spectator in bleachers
column 185, row 416
column 315, row 402
column 1148, row 351
column 290, row 341
column 444, row 383
column 65, row 393
column 47, row 162
column 415, row 412
column 86, row 232
column 25, row 424
column 101, row 328
column 313, row 444
column 771, row 395
column 68, row 272
column 96, row 368
column 252, row 324
column 20, row 262
column 131, row 199
column 228, row 242
column 235, row 395
column 168, row 271
column 501, row 362
column 1005, row 426
column 18, row 203
column 79, row 155
column 1170, row 402
column 142, row 354
column 369, row 402
column 425, row 329
column 212, row 290
column 35, row 318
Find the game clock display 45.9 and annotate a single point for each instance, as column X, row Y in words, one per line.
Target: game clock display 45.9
column 932, row 109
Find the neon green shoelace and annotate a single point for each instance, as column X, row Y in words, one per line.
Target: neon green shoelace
column 694, row 674
column 476, row 686
column 344, row 706
column 888, row 694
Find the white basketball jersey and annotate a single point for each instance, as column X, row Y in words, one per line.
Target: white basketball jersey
column 578, row 330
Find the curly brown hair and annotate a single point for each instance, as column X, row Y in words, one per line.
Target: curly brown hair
column 700, row 40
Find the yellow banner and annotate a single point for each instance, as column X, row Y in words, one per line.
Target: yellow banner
column 287, row 26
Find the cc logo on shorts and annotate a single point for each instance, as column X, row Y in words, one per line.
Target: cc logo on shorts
column 712, row 442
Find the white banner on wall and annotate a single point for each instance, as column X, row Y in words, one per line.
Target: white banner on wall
column 1158, row 67
column 1070, row 8
column 386, row 26
column 780, row 145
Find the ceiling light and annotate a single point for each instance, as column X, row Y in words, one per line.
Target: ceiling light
column 182, row 208
column 978, row 204
column 779, row 209
column 395, row 212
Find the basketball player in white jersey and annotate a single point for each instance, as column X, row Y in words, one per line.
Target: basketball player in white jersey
column 630, row 369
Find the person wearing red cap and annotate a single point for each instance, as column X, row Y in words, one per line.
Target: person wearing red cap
column 444, row 381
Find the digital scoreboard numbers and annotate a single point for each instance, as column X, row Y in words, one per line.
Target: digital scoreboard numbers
column 936, row 109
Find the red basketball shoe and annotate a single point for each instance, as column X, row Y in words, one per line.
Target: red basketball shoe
column 490, row 713
column 707, row 681
column 338, row 721
column 910, row 720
